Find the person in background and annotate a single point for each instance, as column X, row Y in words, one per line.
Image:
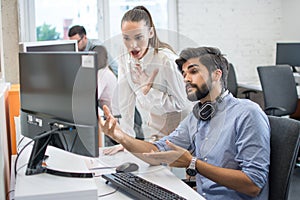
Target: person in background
column 224, row 142
column 149, row 77
column 84, row 44
column 107, row 82
column 107, row 87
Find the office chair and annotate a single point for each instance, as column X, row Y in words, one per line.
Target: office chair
column 232, row 84
column 279, row 90
column 285, row 141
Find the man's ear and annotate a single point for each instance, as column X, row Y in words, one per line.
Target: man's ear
column 217, row 75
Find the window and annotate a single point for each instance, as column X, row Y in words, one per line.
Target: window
column 101, row 18
column 57, row 16
column 157, row 8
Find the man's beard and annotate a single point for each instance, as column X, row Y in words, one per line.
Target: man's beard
column 200, row 93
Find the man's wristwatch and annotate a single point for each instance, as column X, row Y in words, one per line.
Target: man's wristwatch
column 191, row 170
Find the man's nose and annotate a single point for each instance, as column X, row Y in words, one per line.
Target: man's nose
column 186, row 78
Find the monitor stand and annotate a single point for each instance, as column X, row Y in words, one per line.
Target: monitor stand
column 37, row 164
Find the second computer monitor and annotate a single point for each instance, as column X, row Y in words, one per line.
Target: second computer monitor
column 52, row 45
column 288, row 54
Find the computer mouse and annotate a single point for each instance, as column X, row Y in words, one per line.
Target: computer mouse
column 127, row 167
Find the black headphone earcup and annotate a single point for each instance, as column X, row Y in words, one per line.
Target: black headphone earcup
column 207, row 110
column 204, row 111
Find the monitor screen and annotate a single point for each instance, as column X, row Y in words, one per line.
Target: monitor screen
column 58, row 91
column 53, row 45
column 288, row 53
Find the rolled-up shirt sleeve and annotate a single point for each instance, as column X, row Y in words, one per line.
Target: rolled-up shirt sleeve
column 253, row 147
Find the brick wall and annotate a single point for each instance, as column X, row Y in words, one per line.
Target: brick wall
column 245, row 30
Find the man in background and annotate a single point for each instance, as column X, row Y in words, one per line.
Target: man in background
column 84, row 44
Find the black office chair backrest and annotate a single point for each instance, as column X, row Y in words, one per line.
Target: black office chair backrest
column 284, row 148
column 232, row 85
column 279, row 90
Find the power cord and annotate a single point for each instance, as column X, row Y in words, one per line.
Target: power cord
column 18, row 155
column 43, row 134
column 110, row 193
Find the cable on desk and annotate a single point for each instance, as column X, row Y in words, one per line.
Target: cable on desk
column 26, row 145
column 21, row 167
column 20, row 141
column 104, row 195
column 18, row 155
column 65, row 127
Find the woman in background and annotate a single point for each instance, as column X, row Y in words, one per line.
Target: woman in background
column 106, row 87
column 107, row 82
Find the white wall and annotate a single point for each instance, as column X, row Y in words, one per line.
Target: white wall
column 246, row 31
column 291, row 23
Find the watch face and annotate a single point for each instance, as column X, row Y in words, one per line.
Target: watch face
column 191, row 172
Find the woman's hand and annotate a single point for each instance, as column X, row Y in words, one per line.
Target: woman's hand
column 113, row 150
column 141, row 78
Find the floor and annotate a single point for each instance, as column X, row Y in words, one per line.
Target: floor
column 294, row 193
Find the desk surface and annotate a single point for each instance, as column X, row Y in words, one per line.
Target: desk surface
column 45, row 186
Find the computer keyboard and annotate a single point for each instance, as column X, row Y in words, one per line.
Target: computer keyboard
column 139, row 187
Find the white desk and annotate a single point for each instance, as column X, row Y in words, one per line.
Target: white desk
column 45, row 186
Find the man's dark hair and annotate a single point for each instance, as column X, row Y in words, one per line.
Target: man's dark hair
column 210, row 57
column 80, row 30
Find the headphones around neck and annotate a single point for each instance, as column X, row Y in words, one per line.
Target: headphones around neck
column 207, row 110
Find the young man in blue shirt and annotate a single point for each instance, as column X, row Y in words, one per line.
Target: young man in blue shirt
column 224, row 142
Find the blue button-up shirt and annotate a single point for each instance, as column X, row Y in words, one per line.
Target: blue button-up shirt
column 237, row 137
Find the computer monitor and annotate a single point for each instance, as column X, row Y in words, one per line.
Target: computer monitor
column 288, row 53
column 58, row 92
column 52, row 45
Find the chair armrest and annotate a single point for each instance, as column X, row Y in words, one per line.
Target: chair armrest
column 271, row 109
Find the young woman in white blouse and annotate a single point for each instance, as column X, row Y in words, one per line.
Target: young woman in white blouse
column 148, row 76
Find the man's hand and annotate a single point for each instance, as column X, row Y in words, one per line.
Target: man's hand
column 109, row 127
column 176, row 157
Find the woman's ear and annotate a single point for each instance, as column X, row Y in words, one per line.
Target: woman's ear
column 151, row 32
